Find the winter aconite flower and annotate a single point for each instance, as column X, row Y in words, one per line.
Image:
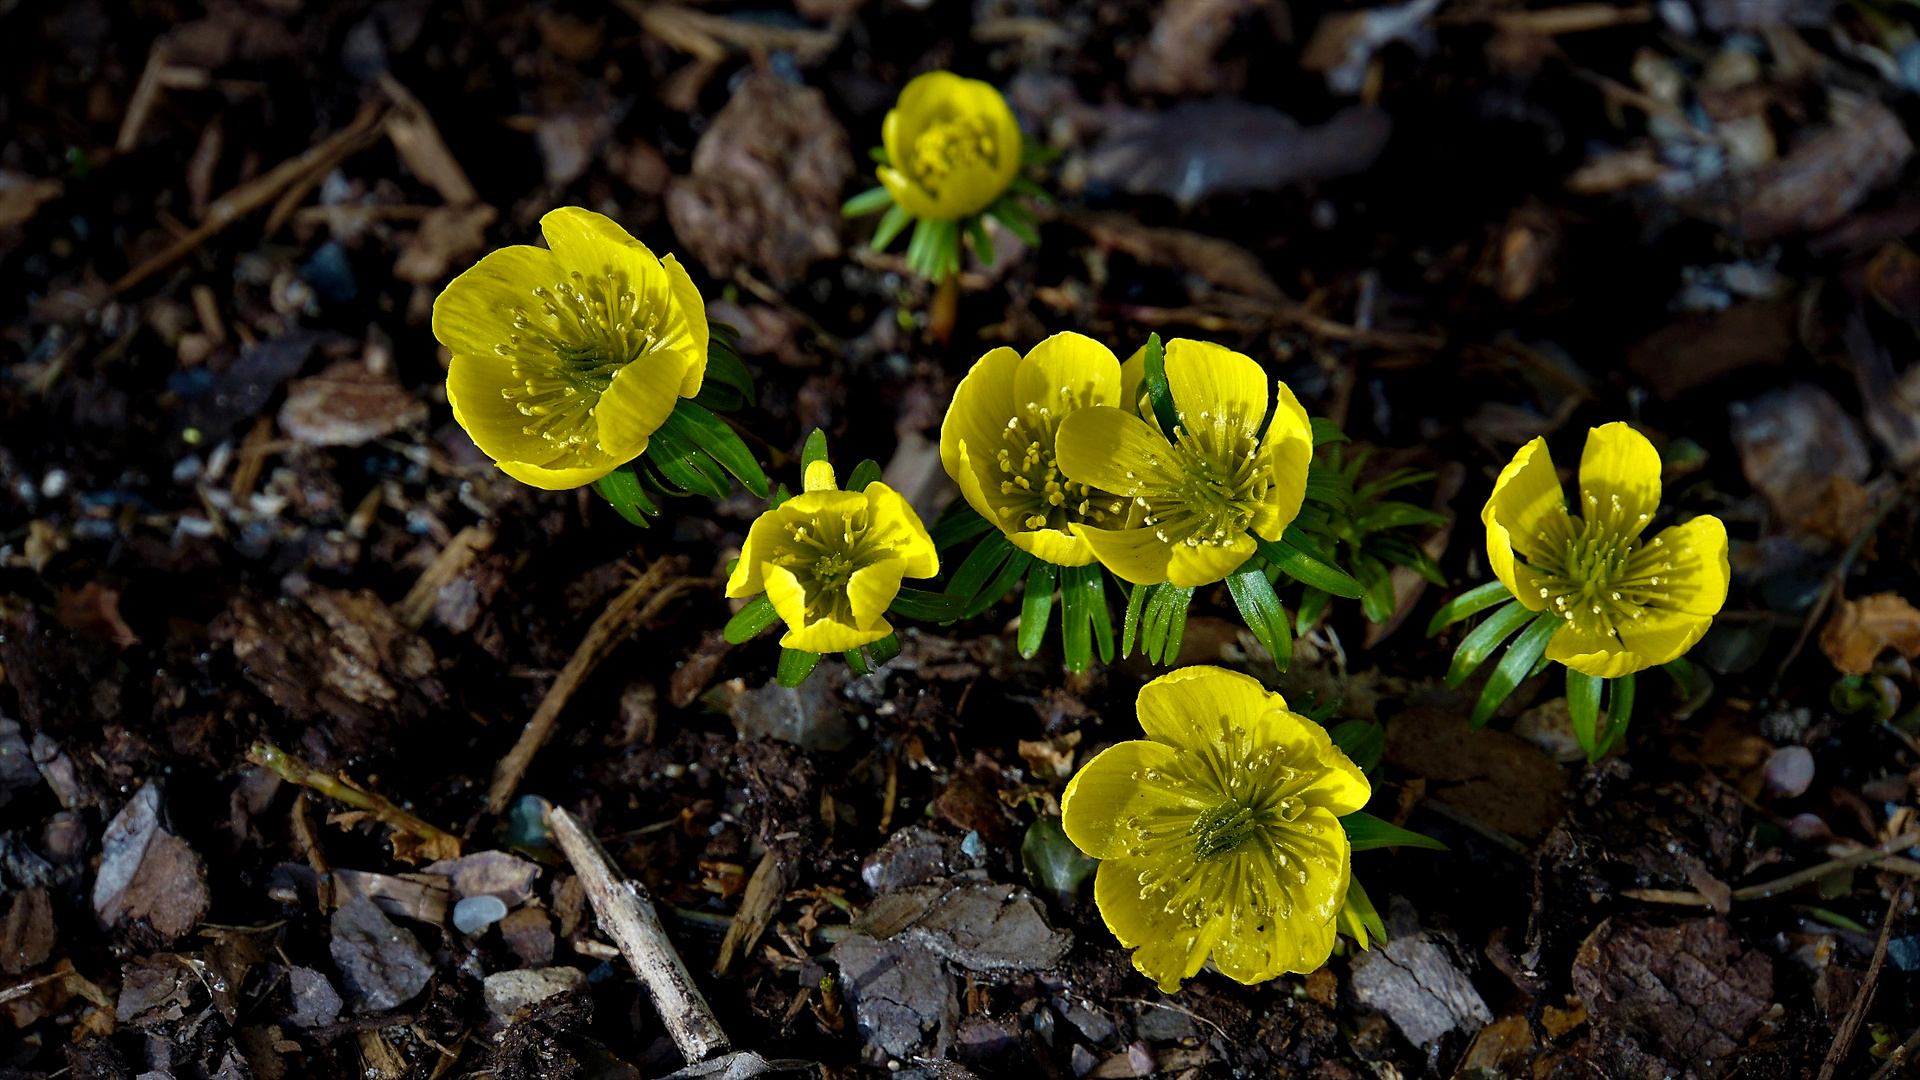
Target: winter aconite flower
column 1628, row 602
column 953, row 147
column 831, row 561
column 566, row 359
column 1201, row 494
column 997, row 442
column 1220, row 832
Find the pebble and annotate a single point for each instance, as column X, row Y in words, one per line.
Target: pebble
column 476, row 913
column 1789, row 772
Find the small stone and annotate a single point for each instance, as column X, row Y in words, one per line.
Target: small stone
column 315, row 1001
column 1083, row 1060
column 1789, row 772
column 1809, row 828
column 1096, row 1026
column 382, row 965
column 476, row 913
column 508, row 992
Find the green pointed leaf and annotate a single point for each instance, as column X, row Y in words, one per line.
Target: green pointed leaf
column 795, row 666
column 1295, row 557
column 1313, row 604
column 1164, row 622
column 1036, row 607
column 891, row 225
column 924, row 606
column 1361, row 905
column 1002, row 584
column 749, row 621
column 1056, row 867
column 1157, row 390
column 1396, row 515
column 685, row 465
column 1253, row 595
column 1619, row 713
column 814, row 450
column 1017, row 221
column 885, row 649
column 1328, row 487
column 1583, row 709
column 1130, row 623
column 1484, row 639
column 712, row 435
column 1366, row 832
column 1363, row 741
column 621, row 488
column 878, row 155
column 1083, row 616
column 1468, row 603
column 725, row 367
column 870, row 201
column 982, row 242
column 957, row 524
column 1526, row 651
column 1326, row 431
column 1376, row 583
column 981, row 566
column 857, row 661
column 863, row 474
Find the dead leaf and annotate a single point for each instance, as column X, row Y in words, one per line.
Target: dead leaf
column 1344, row 43
column 1670, row 1001
column 448, row 236
column 93, row 611
column 1221, row 262
column 347, row 405
column 1502, row 780
column 1616, row 170
column 766, row 182
column 1179, row 55
column 1696, row 350
column 1861, row 630
column 1223, row 145
column 1815, row 186
column 1790, row 441
column 22, row 195
column 417, row 140
column 1893, row 279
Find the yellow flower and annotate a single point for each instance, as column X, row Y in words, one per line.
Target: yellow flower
column 1628, row 603
column 1199, row 501
column 953, row 145
column 1219, row 833
column 831, row 561
column 566, row 359
column 997, row 442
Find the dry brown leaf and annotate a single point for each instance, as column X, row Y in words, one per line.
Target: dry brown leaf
column 417, row 140
column 1862, row 629
column 1178, row 58
column 1221, row 262
column 448, row 236
column 21, row 195
column 93, row 611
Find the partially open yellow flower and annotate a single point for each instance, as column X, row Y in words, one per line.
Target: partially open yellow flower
column 953, row 145
column 566, row 359
column 1628, row 603
column 831, row 561
column 997, row 442
column 1219, row 833
column 1198, row 501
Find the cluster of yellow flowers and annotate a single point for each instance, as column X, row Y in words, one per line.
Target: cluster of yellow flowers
column 1227, row 832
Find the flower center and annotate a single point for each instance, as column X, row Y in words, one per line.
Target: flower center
column 566, row 350
column 823, row 552
column 1595, row 573
column 1223, row 829
column 1035, row 495
column 950, row 146
column 1210, row 487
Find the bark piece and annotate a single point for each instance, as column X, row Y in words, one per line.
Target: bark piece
column 1672, row 1001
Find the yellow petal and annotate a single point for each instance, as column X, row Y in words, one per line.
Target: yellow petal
column 1209, row 380
column 1107, row 448
column 1132, row 374
column 907, row 195
column 1190, row 566
column 561, row 479
column 871, row 588
column 1065, row 372
column 1299, row 936
column 819, row 477
column 1054, row 546
column 939, row 97
column 1180, row 707
column 1169, row 949
column 637, row 402
column 982, row 404
column 748, row 578
column 474, row 314
column 1136, row 555
column 894, row 519
column 827, row 636
column 789, row 599
column 498, row 429
column 1525, row 513
column 1106, row 791
column 691, row 312
column 1697, row 581
column 1619, row 463
column 1592, row 653
column 1661, row 636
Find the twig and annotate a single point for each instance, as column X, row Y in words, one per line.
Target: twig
column 1863, row 999
column 1836, row 581
column 260, row 191
column 626, row 913
column 453, row 560
column 1863, row 857
column 607, row 631
column 435, row 843
column 761, row 898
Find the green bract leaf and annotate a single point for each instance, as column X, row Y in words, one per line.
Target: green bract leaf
column 925, row 606
column 712, row 435
column 1159, row 393
column 1366, row 832
column 814, row 450
column 1036, row 607
column 795, row 666
column 1363, row 910
column 891, row 225
column 725, row 367
column 621, row 488
column 749, row 621
column 981, row 566
column 1163, row 624
column 1376, row 583
column 867, row 202
column 685, row 465
column 1363, row 741
column 1053, row 863
column 1017, row 220
column 982, row 243
column 1485, row 638
column 1294, row 556
column 957, row 524
column 1253, row 595
column 1328, row 487
column 1395, row 515
column 1326, row 431
column 1083, row 616
column 863, row 474
column 1471, row 602
column 1514, row 667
